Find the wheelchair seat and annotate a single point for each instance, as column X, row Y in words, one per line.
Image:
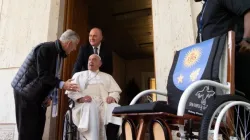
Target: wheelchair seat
column 158, row 106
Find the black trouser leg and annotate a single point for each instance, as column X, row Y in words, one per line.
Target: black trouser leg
column 242, row 82
column 242, row 73
column 17, row 109
column 42, row 120
column 30, row 118
column 112, row 131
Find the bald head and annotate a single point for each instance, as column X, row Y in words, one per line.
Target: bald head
column 95, row 37
column 94, row 62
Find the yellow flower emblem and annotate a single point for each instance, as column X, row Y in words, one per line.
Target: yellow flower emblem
column 192, row 57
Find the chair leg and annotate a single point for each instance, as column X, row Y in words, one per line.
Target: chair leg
column 159, row 130
column 142, row 129
column 128, row 130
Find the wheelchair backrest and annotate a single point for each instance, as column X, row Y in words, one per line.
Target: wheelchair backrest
column 206, row 60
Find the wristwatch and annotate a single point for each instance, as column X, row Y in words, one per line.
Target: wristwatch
column 247, row 40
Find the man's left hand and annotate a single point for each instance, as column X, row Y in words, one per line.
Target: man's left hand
column 47, row 102
column 244, row 47
column 110, row 100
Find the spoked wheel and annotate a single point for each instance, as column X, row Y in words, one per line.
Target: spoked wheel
column 233, row 119
column 159, row 130
column 128, row 130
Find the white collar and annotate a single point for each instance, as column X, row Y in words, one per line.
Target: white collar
column 97, row 46
column 93, row 72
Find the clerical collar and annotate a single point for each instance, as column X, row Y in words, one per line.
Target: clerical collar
column 93, row 72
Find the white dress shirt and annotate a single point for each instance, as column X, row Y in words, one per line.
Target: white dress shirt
column 98, row 49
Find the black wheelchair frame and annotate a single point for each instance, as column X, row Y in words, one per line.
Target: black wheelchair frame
column 70, row 131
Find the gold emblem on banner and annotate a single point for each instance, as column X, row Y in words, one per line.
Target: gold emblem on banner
column 192, row 57
column 193, row 76
column 180, row 78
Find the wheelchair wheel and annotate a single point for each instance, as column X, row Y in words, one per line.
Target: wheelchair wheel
column 235, row 123
column 128, row 130
column 70, row 131
column 159, row 130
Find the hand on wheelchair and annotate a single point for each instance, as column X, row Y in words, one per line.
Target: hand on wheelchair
column 85, row 99
column 244, row 47
column 110, row 100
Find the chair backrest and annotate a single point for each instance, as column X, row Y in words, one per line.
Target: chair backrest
column 227, row 63
column 212, row 59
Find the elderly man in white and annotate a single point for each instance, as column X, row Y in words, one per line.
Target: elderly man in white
column 95, row 101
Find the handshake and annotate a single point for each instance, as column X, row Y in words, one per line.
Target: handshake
column 66, row 86
column 71, row 86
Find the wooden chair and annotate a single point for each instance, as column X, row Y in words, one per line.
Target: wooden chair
column 209, row 67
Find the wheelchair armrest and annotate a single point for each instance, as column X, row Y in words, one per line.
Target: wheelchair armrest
column 146, row 92
column 192, row 87
column 71, row 103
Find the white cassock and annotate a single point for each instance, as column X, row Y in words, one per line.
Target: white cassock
column 91, row 118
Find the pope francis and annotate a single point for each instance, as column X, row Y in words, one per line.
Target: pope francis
column 97, row 97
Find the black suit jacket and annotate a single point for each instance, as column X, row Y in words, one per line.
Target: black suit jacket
column 83, row 56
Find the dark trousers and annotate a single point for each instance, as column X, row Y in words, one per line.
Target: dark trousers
column 242, row 73
column 30, row 118
column 242, row 83
column 112, row 131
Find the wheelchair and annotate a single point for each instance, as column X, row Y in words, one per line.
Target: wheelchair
column 201, row 101
column 70, row 131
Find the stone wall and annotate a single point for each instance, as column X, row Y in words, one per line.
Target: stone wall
column 174, row 24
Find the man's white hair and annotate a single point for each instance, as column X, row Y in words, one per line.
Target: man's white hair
column 98, row 56
column 69, row 35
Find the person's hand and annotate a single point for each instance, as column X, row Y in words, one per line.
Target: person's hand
column 110, row 100
column 47, row 102
column 71, row 86
column 244, row 47
column 85, row 99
